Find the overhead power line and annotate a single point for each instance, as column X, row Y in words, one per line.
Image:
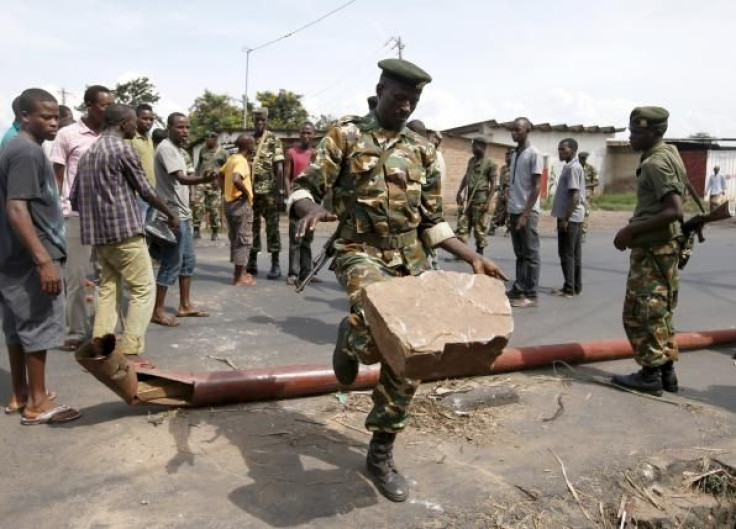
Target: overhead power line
column 302, row 28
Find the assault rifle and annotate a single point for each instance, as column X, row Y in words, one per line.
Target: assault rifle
column 327, row 253
column 694, row 226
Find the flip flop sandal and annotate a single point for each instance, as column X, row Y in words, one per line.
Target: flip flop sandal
column 58, row 415
column 165, row 322
column 193, row 314
column 10, row 410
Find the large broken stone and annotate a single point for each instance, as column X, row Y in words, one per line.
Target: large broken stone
column 439, row 324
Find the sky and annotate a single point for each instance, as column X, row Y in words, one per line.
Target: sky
column 569, row 61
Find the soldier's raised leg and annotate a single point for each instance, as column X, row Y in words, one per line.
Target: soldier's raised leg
column 393, row 394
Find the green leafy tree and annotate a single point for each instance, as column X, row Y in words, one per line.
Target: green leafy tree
column 136, row 91
column 133, row 93
column 212, row 111
column 324, row 121
column 285, row 109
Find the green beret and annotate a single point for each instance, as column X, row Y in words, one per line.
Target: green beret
column 649, row 118
column 210, row 134
column 260, row 111
column 583, row 154
column 405, row 73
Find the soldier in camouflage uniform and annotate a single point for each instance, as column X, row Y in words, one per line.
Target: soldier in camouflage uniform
column 591, row 182
column 388, row 198
column 654, row 234
column 501, row 213
column 475, row 196
column 205, row 198
column 268, row 177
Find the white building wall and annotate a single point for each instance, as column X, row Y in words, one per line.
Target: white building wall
column 547, row 142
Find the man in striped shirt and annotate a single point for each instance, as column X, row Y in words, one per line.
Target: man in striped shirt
column 109, row 179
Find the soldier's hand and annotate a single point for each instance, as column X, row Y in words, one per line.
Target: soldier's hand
column 308, row 222
column 563, row 225
column 624, row 239
column 484, row 266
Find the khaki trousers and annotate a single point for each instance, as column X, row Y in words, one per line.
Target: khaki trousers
column 127, row 261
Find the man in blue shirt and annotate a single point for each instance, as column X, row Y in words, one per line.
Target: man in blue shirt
column 716, row 188
column 14, row 129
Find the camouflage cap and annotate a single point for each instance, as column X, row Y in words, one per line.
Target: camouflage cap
column 405, row 72
column 649, row 118
column 583, row 154
column 210, row 134
column 260, row 111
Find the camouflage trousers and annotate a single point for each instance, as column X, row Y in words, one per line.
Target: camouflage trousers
column 586, row 220
column 501, row 214
column 473, row 217
column 265, row 206
column 205, row 199
column 356, row 268
column 651, row 299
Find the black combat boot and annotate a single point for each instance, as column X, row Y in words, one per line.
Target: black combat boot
column 252, row 266
column 197, row 233
column 214, row 236
column 344, row 365
column 479, row 250
column 275, row 272
column 669, row 377
column 647, row 380
column 381, row 467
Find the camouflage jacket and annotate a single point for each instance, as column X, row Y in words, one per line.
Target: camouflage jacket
column 480, row 177
column 404, row 196
column 271, row 152
column 591, row 176
column 211, row 160
column 504, row 179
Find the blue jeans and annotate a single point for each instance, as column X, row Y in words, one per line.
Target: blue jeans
column 178, row 260
column 526, row 248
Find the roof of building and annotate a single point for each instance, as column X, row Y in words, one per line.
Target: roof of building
column 685, row 144
column 539, row 127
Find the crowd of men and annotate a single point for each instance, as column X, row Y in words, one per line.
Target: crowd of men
column 79, row 215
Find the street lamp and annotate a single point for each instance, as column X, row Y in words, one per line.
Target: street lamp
column 245, row 96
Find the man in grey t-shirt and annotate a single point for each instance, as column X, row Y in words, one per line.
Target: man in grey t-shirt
column 32, row 253
column 174, row 175
column 568, row 208
column 525, row 175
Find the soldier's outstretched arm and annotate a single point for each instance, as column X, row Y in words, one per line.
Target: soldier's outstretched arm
column 310, row 213
column 480, row 264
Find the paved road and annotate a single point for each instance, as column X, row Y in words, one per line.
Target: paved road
column 265, row 465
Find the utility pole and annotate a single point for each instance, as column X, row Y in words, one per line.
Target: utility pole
column 64, row 93
column 247, row 51
column 399, row 45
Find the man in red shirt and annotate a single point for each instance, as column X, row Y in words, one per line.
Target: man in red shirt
column 300, row 250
